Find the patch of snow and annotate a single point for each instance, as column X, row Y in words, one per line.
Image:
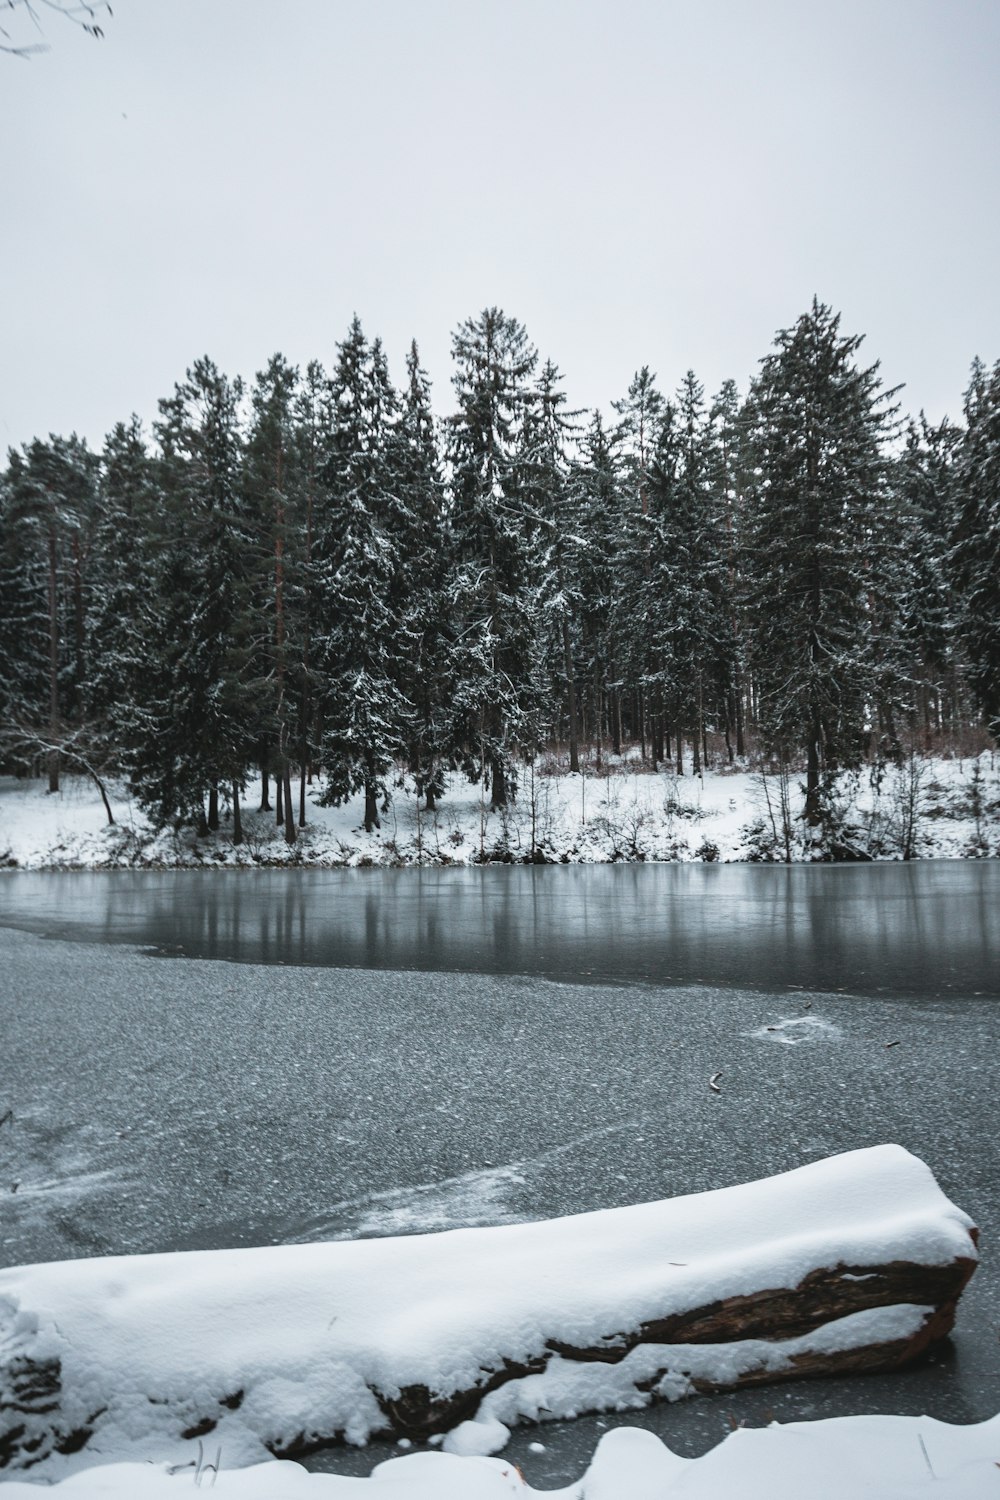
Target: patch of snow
column 483, row 1436
column 878, row 1457
column 793, row 1030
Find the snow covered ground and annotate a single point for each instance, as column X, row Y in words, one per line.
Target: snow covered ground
column 867, row 1458
column 942, row 808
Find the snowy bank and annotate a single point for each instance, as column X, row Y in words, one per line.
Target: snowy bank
column 935, row 808
column 873, row 1458
column 854, row 1262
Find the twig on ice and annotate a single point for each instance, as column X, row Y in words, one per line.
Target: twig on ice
column 927, row 1457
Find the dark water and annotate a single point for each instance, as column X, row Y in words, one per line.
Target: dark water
column 916, row 929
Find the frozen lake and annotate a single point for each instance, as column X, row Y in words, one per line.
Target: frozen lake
column 910, row 929
column 395, row 1051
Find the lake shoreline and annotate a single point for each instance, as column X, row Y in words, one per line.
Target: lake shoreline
column 943, row 808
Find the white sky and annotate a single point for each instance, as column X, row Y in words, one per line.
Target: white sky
column 639, row 181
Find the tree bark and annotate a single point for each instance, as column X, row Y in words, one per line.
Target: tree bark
column 237, row 817
column 291, row 833
column 574, row 730
column 53, row 758
column 812, row 807
column 498, row 782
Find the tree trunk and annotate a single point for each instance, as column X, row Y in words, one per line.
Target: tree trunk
column 290, row 831
column 574, row 730
column 213, row 808
column 53, row 665
column 79, row 625
column 237, row 817
column 265, row 801
column 812, row 807
column 371, row 807
column 104, row 798
column 498, row 783
column 598, row 726
column 279, row 801
column 657, row 738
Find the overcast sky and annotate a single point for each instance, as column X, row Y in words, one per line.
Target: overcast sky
column 638, row 181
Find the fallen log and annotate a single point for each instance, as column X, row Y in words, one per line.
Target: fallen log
column 849, row 1264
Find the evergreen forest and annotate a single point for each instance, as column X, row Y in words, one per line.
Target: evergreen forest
column 316, row 576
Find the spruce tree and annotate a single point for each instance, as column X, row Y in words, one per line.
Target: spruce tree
column 818, row 506
column 366, row 715
column 685, row 608
column 494, row 584
column 975, row 553
column 122, row 575
column 422, row 600
column 643, row 414
column 559, row 542
column 50, row 510
column 271, row 486
column 925, row 482
column 595, row 514
column 194, row 714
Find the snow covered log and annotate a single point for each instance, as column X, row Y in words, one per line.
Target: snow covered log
column 848, row 1264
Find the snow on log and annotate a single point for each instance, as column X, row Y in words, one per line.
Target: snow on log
column 852, row 1263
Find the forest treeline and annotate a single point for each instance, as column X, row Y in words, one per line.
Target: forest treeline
column 314, row 574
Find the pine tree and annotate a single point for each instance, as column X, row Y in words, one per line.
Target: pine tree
column 493, row 585
column 271, row 487
column 423, row 605
column 595, row 512
column 192, row 732
column 686, row 607
column 50, row 510
column 725, row 458
column 643, row 414
column 976, row 549
column 366, row 715
column 122, row 573
column 817, row 512
column 313, row 428
column 560, row 542
column 924, row 479
column 24, row 624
